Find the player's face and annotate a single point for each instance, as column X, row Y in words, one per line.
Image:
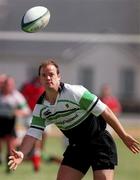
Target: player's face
column 49, row 77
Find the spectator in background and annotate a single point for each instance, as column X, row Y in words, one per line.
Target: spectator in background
column 12, row 105
column 111, row 101
column 28, row 89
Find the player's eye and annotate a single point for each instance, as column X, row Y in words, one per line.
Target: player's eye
column 43, row 74
column 51, row 74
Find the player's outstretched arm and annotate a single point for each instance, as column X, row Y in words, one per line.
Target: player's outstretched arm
column 17, row 156
column 128, row 140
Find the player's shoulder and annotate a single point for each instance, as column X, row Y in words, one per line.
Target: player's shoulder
column 71, row 88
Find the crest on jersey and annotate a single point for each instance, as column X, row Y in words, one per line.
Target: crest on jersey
column 45, row 113
column 67, row 106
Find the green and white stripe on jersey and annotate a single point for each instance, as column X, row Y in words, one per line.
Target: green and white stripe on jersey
column 73, row 106
column 87, row 99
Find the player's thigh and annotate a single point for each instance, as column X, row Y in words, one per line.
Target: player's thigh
column 68, row 173
column 105, row 174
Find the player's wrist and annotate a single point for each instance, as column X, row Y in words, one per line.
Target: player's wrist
column 21, row 154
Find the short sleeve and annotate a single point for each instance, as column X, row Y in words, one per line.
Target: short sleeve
column 88, row 101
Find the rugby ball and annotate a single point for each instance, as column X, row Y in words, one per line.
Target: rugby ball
column 35, row 19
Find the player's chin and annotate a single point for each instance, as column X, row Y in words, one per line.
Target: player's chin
column 47, row 85
column 50, row 87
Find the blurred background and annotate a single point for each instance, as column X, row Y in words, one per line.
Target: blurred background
column 96, row 42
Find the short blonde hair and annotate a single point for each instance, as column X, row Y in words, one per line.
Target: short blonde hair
column 49, row 61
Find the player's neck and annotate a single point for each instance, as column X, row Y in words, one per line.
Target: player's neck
column 51, row 96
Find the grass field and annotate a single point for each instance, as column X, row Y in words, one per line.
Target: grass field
column 128, row 169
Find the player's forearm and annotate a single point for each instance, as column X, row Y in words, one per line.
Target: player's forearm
column 113, row 121
column 27, row 144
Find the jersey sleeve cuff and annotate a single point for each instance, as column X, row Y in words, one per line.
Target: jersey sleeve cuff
column 99, row 108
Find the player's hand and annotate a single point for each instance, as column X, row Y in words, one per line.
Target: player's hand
column 132, row 143
column 15, row 159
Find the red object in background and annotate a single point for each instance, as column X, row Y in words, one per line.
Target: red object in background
column 112, row 103
column 32, row 92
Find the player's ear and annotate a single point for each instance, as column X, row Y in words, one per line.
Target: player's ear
column 59, row 77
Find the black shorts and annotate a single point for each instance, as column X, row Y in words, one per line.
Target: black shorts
column 100, row 154
column 7, row 127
